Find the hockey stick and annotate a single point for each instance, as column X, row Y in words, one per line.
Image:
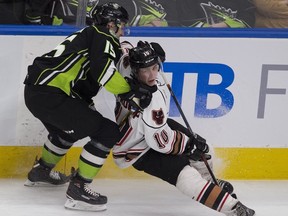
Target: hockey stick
column 187, row 125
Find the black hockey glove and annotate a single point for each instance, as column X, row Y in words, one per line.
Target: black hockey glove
column 174, row 125
column 196, row 147
column 140, row 95
column 159, row 50
column 156, row 47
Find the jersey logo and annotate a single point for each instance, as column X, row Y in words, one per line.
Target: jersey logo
column 158, row 116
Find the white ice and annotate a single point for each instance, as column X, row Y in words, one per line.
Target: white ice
column 138, row 198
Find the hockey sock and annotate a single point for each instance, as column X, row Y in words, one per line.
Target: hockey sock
column 193, row 185
column 92, row 159
column 202, row 169
column 54, row 149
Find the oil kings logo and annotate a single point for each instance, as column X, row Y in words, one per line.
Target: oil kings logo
column 204, row 88
column 155, row 4
column 215, row 13
column 153, row 7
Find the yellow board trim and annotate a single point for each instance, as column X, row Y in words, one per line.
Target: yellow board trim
column 230, row 163
column 252, row 163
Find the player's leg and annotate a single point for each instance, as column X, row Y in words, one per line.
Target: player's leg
column 104, row 134
column 202, row 169
column 53, row 151
column 76, row 118
column 200, row 165
column 177, row 171
column 210, row 194
column 48, row 105
column 91, row 160
column 79, row 193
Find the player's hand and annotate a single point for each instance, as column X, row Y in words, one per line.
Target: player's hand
column 196, row 147
column 156, row 47
column 159, row 50
column 140, row 95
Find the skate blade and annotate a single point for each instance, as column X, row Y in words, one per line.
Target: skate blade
column 29, row 183
column 82, row 206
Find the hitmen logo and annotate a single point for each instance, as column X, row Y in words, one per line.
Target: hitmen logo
column 158, row 116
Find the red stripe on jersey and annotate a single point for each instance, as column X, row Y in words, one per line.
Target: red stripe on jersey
column 125, row 136
column 183, row 145
column 173, row 142
column 118, row 112
column 158, row 139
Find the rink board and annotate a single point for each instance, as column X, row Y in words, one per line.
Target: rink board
column 230, row 163
column 231, row 85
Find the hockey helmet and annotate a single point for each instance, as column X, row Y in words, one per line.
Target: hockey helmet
column 142, row 56
column 109, row 12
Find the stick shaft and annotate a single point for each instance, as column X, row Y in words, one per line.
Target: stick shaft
column 180, row 110
column 188, row 126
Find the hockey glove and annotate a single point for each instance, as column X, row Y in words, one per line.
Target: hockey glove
column 174, row 125
column 156, row 47
column 140, row 95
column 196, row 147
column 159, row 50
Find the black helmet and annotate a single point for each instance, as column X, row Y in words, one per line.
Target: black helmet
column 142, row 56
column 108, row 12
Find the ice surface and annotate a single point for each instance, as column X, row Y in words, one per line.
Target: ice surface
column 138, row 198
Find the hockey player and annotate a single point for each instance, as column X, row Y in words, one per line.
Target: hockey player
column 59, row 88
column 162, row 147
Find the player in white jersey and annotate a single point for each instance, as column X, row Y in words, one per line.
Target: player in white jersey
column 160, row 146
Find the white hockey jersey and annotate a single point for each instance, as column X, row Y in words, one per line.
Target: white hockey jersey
column 147, row 129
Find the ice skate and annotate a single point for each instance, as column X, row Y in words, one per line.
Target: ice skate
column 43, row 176
column 240, row 210
column 82, row 197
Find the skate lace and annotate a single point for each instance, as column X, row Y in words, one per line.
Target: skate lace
column 55, row 175
column 240, row 211
column 88, row 190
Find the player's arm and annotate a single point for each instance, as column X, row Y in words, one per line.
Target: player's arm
column 104, row 51
column 112, row 80
column 196, row 145
column 104, row 55
column 137, row 95
column 158, row 134
column 169, row 137
column 162, row 138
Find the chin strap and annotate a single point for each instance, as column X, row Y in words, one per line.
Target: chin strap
column 117, row 24
column 114, row 32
